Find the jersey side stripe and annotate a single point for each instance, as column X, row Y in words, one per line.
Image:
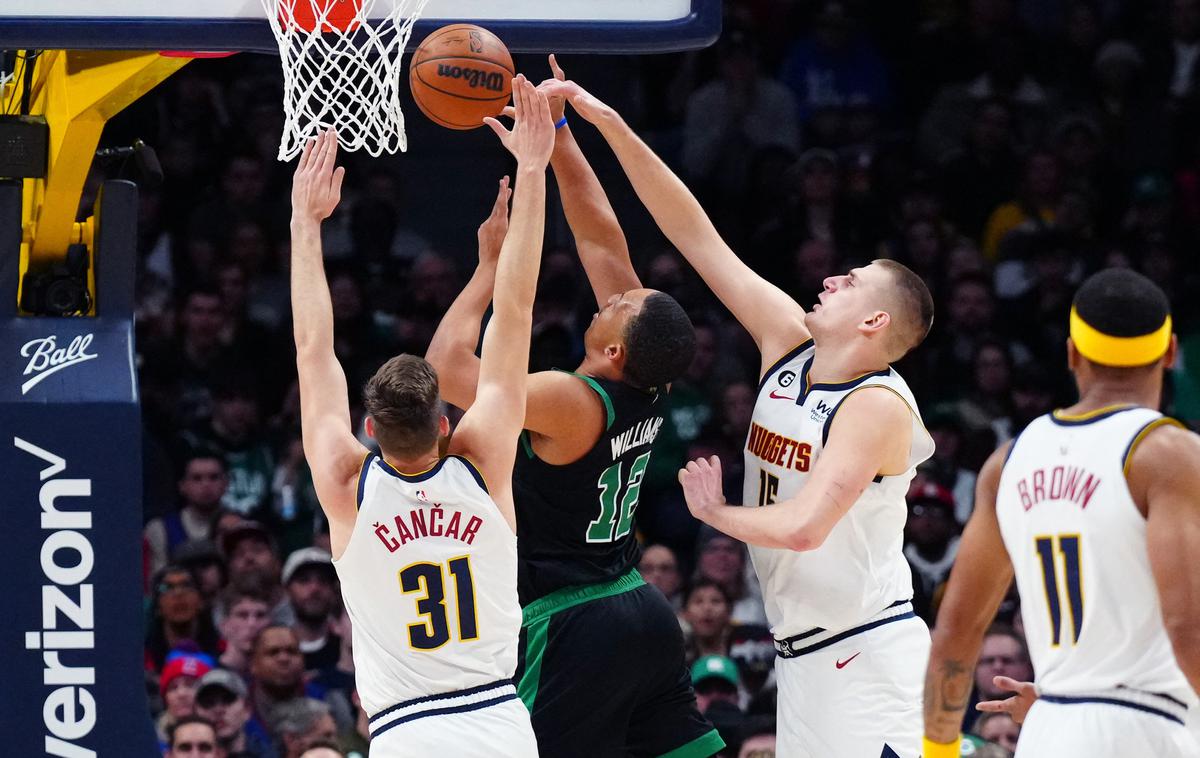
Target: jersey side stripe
column 1137, row 439
column 362, row 479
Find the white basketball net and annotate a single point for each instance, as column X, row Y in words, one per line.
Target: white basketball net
column 349, row 80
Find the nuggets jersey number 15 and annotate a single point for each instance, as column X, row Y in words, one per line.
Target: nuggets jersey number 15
column 1077, row 542
column 430, row 583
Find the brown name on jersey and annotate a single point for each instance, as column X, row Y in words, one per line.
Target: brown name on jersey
column 1070, row 483
column 427, row 522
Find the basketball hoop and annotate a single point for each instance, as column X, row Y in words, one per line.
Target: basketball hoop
column 341, row 61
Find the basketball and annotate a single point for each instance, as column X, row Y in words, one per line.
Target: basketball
column 460, row 74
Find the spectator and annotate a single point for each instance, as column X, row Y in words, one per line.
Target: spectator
column 183, row 372
column 221, row 698
column 202, row 559
column 706, row 613
column 201, row 488
column 180, row 678
column 192, row 737
column 982, row 174
column 758, row 738
column 660, row 567
column 177, row 615
column 251, row 551
column 302, row 723
column 1003, row 654
column 752, row 648
column 731, row 117
column 715, row 679
column 832, row 68
column 931, row 538
column 998, row 728
column 245, row 611
column 1035, row 202
column 323, row 749
column 312, row 591
column 339, row 676
column 722, row 559
column 236, row 430
column 277, row 674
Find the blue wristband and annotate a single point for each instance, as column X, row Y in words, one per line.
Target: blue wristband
column 561, row 123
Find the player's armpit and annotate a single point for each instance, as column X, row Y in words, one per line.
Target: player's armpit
column 981, row 576
column 1164, row 477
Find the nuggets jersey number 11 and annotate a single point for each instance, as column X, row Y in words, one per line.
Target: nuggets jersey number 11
column 430, row 583
column 1077, row 541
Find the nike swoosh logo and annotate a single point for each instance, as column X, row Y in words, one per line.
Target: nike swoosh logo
column 842, row 664
column 773, row 396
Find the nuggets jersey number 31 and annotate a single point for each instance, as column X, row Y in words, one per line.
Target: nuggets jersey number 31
column 430, row 582
column 1078, row 546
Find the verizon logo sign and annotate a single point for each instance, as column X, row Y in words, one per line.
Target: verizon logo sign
column 46, row 357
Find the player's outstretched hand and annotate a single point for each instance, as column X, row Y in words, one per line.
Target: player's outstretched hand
column 1016, row 706
column 585, row 103
column 558, row 104
column 701, row 480
column 495, row 226
column 531, row 140
column 317, row 183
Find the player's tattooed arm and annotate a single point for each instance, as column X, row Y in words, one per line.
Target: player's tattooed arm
column 947, row 692
column 980, row 578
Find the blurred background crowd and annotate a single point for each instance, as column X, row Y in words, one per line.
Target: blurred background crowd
column 1004, row 149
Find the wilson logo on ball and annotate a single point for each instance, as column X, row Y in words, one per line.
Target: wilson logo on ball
column 474, row 77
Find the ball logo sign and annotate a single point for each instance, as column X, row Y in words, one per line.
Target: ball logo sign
column 46, row 357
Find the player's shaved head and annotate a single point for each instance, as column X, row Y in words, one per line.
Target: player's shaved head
column 402, row 399
column 911, row 308
column 660, row 341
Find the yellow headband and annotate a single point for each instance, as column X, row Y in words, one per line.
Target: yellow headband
column 1108, row 350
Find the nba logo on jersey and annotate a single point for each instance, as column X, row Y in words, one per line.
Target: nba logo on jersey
column 422, row 496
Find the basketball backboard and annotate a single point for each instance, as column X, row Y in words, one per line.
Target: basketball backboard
column 592, row 26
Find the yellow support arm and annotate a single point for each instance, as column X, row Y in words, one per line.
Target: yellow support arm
column 77, row 92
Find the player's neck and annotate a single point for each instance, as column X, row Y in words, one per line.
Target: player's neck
column 598, row 367
column 835, row 362
column 1098, row 394
column 414, row 465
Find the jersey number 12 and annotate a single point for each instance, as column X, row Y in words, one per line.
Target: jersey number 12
column 1068, row 548
column 430, row 579
column 613, row 524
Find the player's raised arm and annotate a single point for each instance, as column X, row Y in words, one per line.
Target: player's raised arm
column 982, row 574
column 772, row 317
column 862, row 445
column 489, row 430
column 1164, row 473
column 598, row 237
column 452, row 350
column 333, row 453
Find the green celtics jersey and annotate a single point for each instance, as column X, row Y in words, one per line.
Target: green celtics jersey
column 575, row 523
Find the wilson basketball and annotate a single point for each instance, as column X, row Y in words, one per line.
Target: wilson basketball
column 460, row 74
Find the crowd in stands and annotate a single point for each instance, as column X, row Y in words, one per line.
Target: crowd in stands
column 1003, row 149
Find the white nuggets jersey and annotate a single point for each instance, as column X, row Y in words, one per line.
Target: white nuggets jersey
column 860, row 570
column 1078, row 546
column 430, row 583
